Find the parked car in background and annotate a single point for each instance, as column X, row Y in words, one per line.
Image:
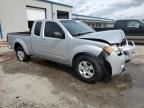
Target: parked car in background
column 93, row 55
column 134, row 29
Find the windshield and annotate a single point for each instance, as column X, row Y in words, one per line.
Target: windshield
column 77, row 28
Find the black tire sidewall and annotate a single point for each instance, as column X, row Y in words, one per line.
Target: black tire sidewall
column 26, row 58
column 97, row 69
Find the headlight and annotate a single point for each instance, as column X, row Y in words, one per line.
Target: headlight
column 111, row 49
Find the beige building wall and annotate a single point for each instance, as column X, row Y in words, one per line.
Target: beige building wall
column 13, row 13
column 13, row 16
column 61, row 8
column 49, row 8
column 40, row 4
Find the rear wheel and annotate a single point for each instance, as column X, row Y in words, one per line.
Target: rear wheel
column 21, row 55
column 88, row 69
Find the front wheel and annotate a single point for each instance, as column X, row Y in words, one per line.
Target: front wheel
column 88, row 69
column 21, row 55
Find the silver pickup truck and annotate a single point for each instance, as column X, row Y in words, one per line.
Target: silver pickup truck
column 93, row 55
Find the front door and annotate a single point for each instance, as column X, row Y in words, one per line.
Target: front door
column 53, row 46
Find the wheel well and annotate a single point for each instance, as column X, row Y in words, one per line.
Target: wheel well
column 106, row 64
column 16, row 46
column 80, row 54
column 108, row 67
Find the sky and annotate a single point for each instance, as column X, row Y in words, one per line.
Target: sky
column 115, row 9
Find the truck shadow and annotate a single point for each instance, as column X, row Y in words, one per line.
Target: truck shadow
column 40, row 67
column 63, row 78
column 45, row 68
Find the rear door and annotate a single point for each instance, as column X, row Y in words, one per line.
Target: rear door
column 36, row 37
column 54, row 47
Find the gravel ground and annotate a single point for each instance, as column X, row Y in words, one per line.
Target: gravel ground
column 44, row 84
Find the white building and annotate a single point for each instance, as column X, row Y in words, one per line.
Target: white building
column 18, row 15
column 15, row 14
column 94, row 22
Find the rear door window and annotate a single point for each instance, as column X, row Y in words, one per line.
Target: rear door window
column 37, row 29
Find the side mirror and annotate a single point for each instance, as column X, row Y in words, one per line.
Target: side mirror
column 59, row 35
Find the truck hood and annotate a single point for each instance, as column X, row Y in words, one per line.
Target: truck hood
column 110, row 37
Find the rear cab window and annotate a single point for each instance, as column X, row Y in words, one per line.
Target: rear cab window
column 37, row 29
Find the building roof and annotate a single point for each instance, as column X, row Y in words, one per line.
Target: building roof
column 56, row 3
column 86, row 17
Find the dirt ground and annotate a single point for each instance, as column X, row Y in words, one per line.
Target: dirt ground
column 44, row 84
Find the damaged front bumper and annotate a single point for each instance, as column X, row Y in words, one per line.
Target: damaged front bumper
column 128, row 50
column 117, row 62
column 112, row 64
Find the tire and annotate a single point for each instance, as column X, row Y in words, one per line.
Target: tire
column 21, row 55
column 90, row 73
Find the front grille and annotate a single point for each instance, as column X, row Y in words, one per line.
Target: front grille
column 123, row 42
column 126, row 53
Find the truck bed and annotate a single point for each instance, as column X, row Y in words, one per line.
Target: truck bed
column 26, row 33
column 23, row 36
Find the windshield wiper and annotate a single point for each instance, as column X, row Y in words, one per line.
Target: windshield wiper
column 79, row 34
